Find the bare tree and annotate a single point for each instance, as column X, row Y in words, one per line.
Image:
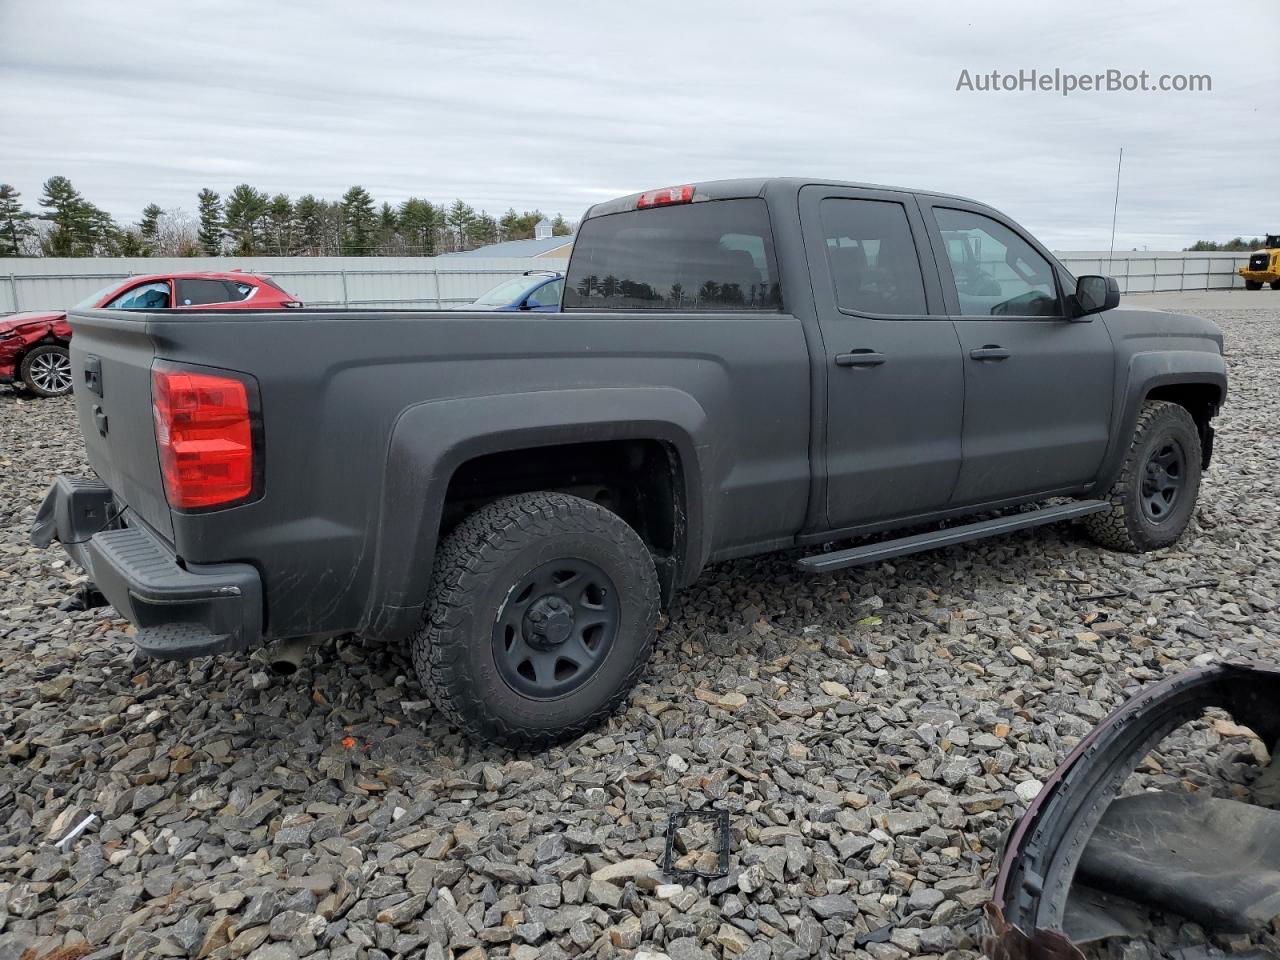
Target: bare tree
column 177, row 234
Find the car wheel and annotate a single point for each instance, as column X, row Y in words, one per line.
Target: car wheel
column 46, row 370
column 1253, row 284
column 542, row 615
column 1155, row 493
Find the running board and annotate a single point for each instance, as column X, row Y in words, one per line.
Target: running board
column 888, row 549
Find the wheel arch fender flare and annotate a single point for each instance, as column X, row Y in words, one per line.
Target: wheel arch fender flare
column 1147, row 371
column 431, row 440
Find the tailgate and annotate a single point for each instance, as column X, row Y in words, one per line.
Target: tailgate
column 111, row 356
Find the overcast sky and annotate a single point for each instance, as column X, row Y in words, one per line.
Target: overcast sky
column 557, row 105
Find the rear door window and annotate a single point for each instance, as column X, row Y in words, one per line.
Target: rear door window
column 192, row 292
column 713, row 255
column 873, row 257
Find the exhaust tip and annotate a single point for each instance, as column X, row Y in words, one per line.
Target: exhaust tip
column 287, row 656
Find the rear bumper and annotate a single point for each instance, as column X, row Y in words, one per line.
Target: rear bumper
column 181, row 610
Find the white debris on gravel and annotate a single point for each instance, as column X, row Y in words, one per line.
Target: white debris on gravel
column 873, row 734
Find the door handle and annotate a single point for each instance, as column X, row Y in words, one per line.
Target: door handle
column 860, row 358
column 990, row 352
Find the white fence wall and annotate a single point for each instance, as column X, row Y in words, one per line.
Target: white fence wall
column 46, row 283
column 1147, row 271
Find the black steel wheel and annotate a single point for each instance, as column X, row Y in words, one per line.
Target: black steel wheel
column 542, row 614
column 1163, row 477
column 556, row 627
column 1153, row 496
column 46, row 370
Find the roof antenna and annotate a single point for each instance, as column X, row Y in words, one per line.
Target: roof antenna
column 1114, row 209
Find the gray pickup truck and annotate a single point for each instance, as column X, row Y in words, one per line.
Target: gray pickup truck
column 739, row 367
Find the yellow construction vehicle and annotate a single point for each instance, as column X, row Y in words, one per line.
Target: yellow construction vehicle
column 1264, row 265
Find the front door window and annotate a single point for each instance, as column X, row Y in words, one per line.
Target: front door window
column 996, row 272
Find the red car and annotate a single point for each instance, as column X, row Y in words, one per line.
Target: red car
column 33, row 346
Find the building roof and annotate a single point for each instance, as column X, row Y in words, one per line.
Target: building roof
column 520, row 248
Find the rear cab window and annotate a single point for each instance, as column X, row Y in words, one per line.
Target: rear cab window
column 708, row 255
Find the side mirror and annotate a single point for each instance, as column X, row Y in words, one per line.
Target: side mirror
column 525, row 305
column 1096, row 293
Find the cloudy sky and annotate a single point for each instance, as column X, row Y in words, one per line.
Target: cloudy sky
column 562, row 103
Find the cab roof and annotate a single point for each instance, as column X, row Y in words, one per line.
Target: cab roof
column 756, row 187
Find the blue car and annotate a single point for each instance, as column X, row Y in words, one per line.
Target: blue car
column 539, row 290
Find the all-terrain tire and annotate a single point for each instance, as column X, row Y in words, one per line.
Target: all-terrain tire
column 1127, row 526
column 457, row 651
column 1275, row 284
column 46, row 370
column 1253, row 284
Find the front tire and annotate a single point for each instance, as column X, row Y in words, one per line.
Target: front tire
column 1253, row 284
column 1155, row 493
column 46, row 370
column 542, row 615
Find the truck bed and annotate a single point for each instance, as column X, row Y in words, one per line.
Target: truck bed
column 345, row 393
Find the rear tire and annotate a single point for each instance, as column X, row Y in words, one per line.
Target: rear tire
column 1275, row 284
column 542, row 615
column 1155, row 493
column 1253, row 284
column 46, row 370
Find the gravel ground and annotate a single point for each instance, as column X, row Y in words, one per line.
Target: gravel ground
column 873, row 734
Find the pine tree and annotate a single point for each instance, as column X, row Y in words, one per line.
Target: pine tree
column 149, row 227
column 560, row 227
column 483, row 230
column 131, row 245
column 80, row 229
column 15, row 223
column 459, row 218
column 419, row 221
column 210, row 222
column 280, row 216
column 246, row 219
column 66, row 212
column 359, row 222
column 388, row 230
column 309, row 225
column 102, row 234
column 509, row 224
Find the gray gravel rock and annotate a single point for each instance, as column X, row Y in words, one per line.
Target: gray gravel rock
column 873, row 733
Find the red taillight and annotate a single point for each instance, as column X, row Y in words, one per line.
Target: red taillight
column 665, row 197
column 204, row 432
